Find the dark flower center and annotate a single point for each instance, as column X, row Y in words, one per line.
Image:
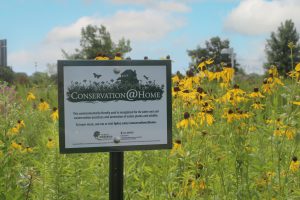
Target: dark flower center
column 294, row 158
column 186, row 115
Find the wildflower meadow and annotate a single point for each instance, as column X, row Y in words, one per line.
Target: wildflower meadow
column 234, row 137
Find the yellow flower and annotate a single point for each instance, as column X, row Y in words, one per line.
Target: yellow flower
column 229, row 115
column 257, row 106
column 17, row 146
column 278, row 132
column 252, row 128
column 266, row 88
column 118, row 56
column 227, row 74
column 242, row 115
column 290, row 133
column 175, row 79
column 43, row 106
column 295, row 73
column 297, row 68
column 206, row 117
column 273, row 71
column 30, row 96
column 186, row 122
column 54, row 114
column 202, row 185
column 202, row 65
column 20, row 124
column 50, row 143
column 101, row 56
column 237, row 91
column 28, row 150
column 276, row 122
column 295, row 164
column 256, row 94
column 177, row 148
column 270, row 175
column 296, row 103
column 13, row 131
column 175, row 92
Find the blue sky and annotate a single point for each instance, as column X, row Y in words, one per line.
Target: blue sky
column 36, row 31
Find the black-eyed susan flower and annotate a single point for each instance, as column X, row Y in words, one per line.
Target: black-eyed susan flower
column 177, row 148
column 28, row 150
column 295, row 164
column 273, row 70
column 206, row 117
column 229, row 115
column 187, row 121
column 54, row 114
column 202, row 65
column 30, row 96
column 43, row 105
column 227, row 74
column 101, row 56
column 257, row 106
column 175, row 91
column 296, row 103
column 295, row 73
column 242, row 114
column 175, row 79
column 50, row 143
column 256, row 94
column 17, row 146
column 270, row 175
column 13, row 131
column 266, row 87
column 277, row 122
column 118, row 56
column 274, row 80
column 290, row 133
column 201, row 93
column 20, row 124
column 278, row 132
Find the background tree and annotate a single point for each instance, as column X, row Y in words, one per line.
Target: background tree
column 96, row 39
column 21, row 78
column 212, row 49
column 277, row 50
column 7, row 74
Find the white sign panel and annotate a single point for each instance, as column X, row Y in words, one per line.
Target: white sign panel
column 114, row 105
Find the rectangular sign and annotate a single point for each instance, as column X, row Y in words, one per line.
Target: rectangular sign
column 114, row 105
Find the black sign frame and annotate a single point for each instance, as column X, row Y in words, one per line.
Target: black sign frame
column 61, row 64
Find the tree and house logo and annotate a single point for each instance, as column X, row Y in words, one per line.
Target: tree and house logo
column 127, row 87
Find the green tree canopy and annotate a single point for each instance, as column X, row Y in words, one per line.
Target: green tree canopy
column 277, row 50
column 6, row 74
column 212, row 49
column 96, row 39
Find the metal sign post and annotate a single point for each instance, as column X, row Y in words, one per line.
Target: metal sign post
column 116, row 168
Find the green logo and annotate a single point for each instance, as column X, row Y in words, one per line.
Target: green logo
column 127, row 87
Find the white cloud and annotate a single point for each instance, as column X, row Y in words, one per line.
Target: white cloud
column 253, row 17
column 148, row 25
column 178, row 6
column 134, row 25
column 173, row 7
